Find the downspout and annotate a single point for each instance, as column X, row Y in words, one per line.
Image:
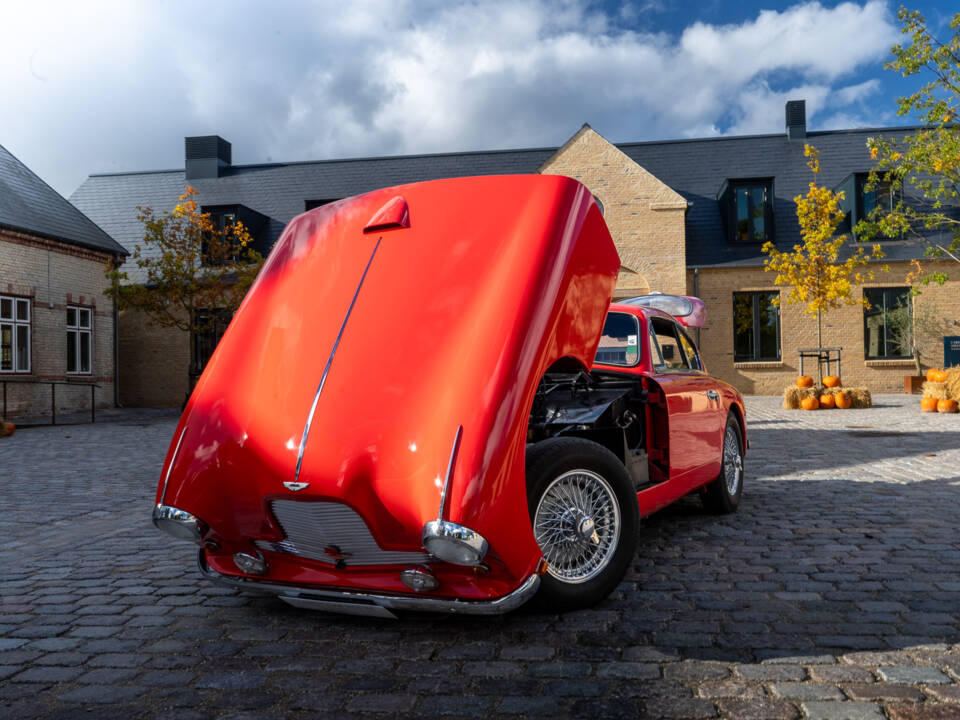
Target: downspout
column 696, row 293
column 116, row 345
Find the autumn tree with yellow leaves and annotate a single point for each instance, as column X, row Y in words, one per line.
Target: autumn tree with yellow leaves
column 817, row 277
column 922, row 170
column 190, row 264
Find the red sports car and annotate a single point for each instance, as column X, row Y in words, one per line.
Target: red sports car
column 426, row 401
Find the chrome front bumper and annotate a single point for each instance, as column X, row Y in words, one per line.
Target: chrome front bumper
column 351, row 602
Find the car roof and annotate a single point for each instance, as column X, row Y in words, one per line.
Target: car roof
column 640, row 310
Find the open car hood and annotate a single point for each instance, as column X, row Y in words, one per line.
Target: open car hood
column 379, row 326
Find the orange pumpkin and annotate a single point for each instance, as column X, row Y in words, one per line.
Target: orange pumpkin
column 809, row 403
column 804, row 381
column 827, row 401
column 8, row 428
column 939, row 375
column 842, row 400
column 928, row 404
column 947, row 405
column 831, row 381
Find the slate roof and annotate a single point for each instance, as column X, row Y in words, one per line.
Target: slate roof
column 28, row 204
column 697, row 169
column 280, row 190
column 694, row 168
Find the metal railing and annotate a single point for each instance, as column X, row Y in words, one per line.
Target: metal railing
column 53, row 394
column 822, row 356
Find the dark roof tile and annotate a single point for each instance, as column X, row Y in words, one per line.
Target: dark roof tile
column 28, row 204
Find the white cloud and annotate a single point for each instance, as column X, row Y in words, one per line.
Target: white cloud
column 856, row 93
column 100, row 86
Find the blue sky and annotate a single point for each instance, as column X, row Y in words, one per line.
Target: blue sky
column 675, row 17
column 104, row 86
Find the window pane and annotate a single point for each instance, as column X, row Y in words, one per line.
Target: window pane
column 669, row 346
column 6, row 309
column 743, row 327
column 71, row 351
column 23, row 348
column 23, row 310
column 693, row 360
column 84, row 317
column 743, row 214
column 767, row 327
column 897, row 322
column 6, row 347
column 759, row 212
column 619, row 343
column 656, row 357
column 85, row 352
column 71, row 317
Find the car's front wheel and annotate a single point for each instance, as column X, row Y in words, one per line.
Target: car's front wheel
column 585, row 518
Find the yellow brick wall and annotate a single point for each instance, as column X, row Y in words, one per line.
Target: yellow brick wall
column 53, row 275
column 842, row 327
column 153, row 362
column 645, row 216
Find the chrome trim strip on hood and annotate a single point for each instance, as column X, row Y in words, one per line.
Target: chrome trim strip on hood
column 330, row 599
column 453, row 459
column 323, row 378
column 173, row 459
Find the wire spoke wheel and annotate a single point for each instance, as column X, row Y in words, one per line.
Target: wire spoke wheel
column 723, row 494
column 732, row 460
column 577, row 525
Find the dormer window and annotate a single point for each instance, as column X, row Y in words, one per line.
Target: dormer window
column 858, row 201
column 224, row 216
column 747, row 209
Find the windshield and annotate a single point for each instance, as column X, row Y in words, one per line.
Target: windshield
column 619, row 344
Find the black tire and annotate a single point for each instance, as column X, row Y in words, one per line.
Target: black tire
column 557, row 466
column 722, row 496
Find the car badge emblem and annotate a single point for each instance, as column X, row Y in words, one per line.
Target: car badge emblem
column 295, row 485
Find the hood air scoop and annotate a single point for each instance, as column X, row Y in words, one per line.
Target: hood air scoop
column 393, row 215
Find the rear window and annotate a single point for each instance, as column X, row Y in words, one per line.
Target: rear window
column 619, row 344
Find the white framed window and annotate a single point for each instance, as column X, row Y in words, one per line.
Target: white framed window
column 14, row 334
column 79, row 340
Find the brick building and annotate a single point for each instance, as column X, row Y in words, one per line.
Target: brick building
column 56, row 321
column 688, row 216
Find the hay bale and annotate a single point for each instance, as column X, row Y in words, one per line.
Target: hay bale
column 953, row 383
column 859, row 397
column 793, row 396
column 935, row 390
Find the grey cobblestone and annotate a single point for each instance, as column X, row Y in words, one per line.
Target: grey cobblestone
column 838, row 579
column 837, row 710
column 913, row 675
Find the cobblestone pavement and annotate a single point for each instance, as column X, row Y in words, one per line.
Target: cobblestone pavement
column 833, row 593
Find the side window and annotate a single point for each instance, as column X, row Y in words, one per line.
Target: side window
column 670, row 348
column 619, row 343
column 655, row 354
column 690, row 350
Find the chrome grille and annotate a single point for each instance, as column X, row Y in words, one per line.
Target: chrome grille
column 330, row 532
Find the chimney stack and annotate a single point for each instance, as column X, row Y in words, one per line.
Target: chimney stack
column 206, row 156
column 796, row 119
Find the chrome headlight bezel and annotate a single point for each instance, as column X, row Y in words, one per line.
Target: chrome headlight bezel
column 179, row 523
column 454, row 543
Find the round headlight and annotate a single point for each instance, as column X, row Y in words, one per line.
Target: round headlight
column 454, row 543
